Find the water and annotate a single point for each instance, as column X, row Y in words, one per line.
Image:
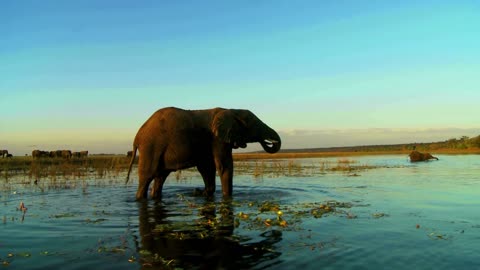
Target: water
column 397, row 216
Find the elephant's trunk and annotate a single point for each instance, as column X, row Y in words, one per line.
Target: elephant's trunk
column 272, row 143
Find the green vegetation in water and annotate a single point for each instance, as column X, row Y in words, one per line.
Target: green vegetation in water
column 196, row 220
column 252, row 215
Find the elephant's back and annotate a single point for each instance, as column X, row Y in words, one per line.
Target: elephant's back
column 165, row 121
column 170, row 118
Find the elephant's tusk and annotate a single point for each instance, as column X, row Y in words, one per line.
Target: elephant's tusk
column 270, row 142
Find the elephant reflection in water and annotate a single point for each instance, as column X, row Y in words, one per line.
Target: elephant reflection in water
column 204, row 246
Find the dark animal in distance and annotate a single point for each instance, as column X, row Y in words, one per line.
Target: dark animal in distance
column 173, row 139
column 40, row 154
column 3, row 153
column 416, row 156
column 66, row 154
column 81, row 154
column 84, row 154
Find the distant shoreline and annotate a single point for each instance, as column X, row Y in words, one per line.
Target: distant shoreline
column 313, row 154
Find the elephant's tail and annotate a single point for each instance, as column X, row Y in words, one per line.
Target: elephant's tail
column 134, row 153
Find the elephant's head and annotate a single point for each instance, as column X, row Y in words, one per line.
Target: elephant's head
column 239, row 127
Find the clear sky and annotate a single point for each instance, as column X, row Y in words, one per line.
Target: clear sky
column 87, row 74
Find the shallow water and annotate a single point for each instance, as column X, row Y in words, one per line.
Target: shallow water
column 398, row 216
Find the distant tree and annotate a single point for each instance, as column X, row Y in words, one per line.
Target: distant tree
column 474, row 142
column 451, row 143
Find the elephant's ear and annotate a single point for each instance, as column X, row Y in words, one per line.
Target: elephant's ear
column 227, row 127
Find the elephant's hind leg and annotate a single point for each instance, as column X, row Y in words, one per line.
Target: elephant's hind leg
column 143, row 184
column 156, row 190
column 147, row 170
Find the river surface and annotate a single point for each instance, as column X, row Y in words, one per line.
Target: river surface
column 391, row 215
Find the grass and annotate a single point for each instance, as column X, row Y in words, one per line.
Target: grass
column 113, row 166
column 99, row 166
column 292, row 167
column 256, row 164
column 103, row 170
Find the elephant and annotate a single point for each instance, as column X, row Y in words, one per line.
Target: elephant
column 40, row 154
column 81, row 154
column 129, row 153
column 65, row 154
column 9, row 155
column 174, row 139
column 416, row 156
column 60, row 154
column 4, row 153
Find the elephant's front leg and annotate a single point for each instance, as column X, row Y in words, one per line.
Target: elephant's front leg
column 224, row 164
column 222, row 153
column 226, row 176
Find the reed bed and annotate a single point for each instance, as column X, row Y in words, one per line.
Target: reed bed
column 292, row 167
column 62, row 172
column 97, row 166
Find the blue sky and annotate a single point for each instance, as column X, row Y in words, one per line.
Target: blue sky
column 87, row 74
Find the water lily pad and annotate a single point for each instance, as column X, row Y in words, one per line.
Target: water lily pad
column 24, row 254
column 145, row 252
column 63, row 215
column 379, row 215
column 438, row 236
column 269, row 206
column 98, row 220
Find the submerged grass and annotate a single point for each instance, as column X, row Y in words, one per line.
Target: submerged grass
column 198, row 220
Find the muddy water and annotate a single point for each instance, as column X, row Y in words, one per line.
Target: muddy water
column 393, row 215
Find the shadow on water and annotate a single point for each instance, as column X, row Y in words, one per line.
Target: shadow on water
column 169, row 239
